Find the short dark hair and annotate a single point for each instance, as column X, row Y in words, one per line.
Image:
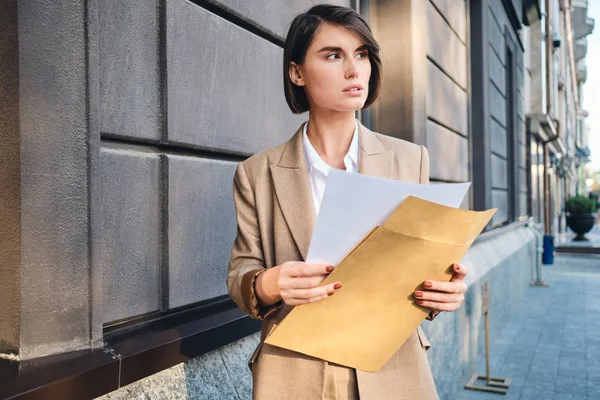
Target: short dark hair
column 300, row 36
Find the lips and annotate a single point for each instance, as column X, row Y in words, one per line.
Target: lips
column 353, row 88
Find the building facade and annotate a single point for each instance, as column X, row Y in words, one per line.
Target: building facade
column 556, row 46
column 123, row 123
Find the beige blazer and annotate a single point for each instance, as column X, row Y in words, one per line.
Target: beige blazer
column 276, row 216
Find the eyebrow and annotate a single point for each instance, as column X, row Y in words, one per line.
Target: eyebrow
column 334, row 48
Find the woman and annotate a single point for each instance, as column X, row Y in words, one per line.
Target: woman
column 331, row 68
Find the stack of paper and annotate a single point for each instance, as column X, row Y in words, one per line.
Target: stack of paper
column 354, row 204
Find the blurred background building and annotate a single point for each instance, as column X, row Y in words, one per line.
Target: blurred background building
column 122, row 123
column 556, row 47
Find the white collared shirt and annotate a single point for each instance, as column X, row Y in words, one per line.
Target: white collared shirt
column 318, row 170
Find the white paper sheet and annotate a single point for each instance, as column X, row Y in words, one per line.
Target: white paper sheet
column 354, row 204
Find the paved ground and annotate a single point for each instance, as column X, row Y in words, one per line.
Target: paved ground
column 551, row 348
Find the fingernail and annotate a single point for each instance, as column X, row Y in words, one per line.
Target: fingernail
column 330, row 294
column 419, row 301
column 337, row 286
column 418, row 294
column 428, row 284
column 457, row 267
column 329, row 268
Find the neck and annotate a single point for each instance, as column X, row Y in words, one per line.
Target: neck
column 331, row 133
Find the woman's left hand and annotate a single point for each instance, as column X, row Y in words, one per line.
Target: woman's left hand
column 444, row 296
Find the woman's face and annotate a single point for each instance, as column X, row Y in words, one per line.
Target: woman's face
column 336, row 70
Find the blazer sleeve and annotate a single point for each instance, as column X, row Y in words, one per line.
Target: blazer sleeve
column 424, row 178
column 247, row 260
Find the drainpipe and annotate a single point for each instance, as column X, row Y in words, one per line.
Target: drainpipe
column 548, row 255
column 575, row 87
column 571, row 44
column 549, row 56
column 566, row 184
column 539, row 250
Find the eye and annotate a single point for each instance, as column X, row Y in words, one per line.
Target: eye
column 333, row 56
column 362, row 55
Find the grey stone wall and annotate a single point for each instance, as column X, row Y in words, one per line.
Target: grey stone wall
column 424, row 97
column 130, row 232
column 274, row 16
column 54, row 205
column 508, row 142
column 130, row 90
column 184, row 95
column 122, row 123
column 447, row 127
column 47, row 187
column 225, row 86
column 10, row 215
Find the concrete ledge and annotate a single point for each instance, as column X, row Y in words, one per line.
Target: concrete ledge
column 485, row 255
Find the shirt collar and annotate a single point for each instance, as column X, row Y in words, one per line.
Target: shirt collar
column 313, row 160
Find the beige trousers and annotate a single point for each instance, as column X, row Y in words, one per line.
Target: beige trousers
column 340, row 383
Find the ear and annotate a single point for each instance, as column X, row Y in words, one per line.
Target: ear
column 295, row 72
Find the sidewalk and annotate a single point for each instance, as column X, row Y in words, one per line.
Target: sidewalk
column 551, row 348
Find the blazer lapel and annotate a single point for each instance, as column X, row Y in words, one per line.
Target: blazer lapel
column 373, row 159
column 292, row 182
column 294, row 192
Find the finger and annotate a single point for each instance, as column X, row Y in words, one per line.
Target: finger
column 460, row 271
column 447, row 287
column 305, row 282
column 306, row 294
column 319, row 298
column 439, row 296
column 297, row 302
column 310, row 269
column 434, row 305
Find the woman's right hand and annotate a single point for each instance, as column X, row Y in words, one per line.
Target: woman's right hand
column 298, row 282
column 295, row 283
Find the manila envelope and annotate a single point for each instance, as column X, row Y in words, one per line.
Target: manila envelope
column 374, row 312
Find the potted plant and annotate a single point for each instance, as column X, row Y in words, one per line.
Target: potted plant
column 580, row 215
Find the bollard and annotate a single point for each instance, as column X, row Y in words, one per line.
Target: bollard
column 548, row 256
column 539, row 250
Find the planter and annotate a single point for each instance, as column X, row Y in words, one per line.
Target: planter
column 581, row 224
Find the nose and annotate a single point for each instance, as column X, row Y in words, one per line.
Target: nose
column 351, row 68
